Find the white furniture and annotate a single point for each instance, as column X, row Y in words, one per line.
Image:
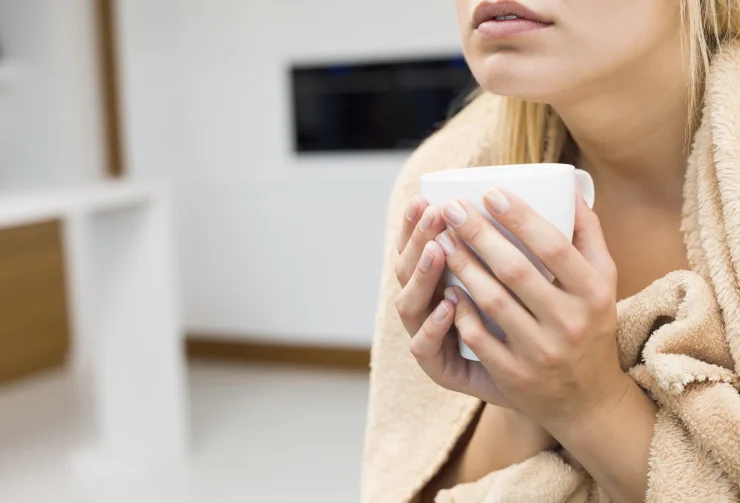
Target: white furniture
column 127, row 334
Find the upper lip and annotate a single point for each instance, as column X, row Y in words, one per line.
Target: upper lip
column 487, row 11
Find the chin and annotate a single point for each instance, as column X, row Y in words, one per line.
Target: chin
column 515, row 75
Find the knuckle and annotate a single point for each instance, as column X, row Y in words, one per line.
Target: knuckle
column 558, row 250
column 574, row 328
column 516, row 222
column 550, row 357
column 493, row 305
column 400, row 245
column 397, row 269
column 420, row 281
column 402, row 308
column 460, row 264
column 611, row 272
column 473, row 338
column 522, row 382
column 417, row 239
column 602, row 300
column 474, row 231
column 514, row 273
column 464, row 310
column 401, row 273
column 416, row 347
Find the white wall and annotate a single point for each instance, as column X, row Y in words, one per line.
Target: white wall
column 50, row 110
column 273, row 245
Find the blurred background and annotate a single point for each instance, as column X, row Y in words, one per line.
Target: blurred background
column 192, row 207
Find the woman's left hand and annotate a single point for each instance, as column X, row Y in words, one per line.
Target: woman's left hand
column 560, row 360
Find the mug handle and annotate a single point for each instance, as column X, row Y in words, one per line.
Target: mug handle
column 586, row 183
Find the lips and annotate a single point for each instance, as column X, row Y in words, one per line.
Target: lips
column 505, row 11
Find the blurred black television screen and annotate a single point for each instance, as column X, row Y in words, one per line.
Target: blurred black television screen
column 375, row 106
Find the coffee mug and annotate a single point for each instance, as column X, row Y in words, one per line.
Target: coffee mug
column 550, row 189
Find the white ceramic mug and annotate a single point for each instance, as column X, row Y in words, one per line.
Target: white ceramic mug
column 548, row 188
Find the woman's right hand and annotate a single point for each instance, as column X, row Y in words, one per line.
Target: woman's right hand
column 420, row 264
column 428, row 312
column 428, row 317
column 432, row 316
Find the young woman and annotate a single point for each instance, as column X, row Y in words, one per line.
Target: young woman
column 615, row 88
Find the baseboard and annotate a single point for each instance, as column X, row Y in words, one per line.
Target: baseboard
column 256, row 352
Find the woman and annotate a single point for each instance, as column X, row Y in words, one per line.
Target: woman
column 617, row 89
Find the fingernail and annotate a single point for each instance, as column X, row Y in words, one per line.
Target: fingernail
column 412, row 209
column 447, row 243
column 426, row 259
column 451, row 295
column 497, row 201
column 441, row 312
column 426, row 219
column 455, row 213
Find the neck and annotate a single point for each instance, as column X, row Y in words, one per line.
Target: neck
column 632, row 133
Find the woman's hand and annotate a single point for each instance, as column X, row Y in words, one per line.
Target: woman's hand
column 419, row 267
column 501, row 437
column 559, row 365
column 560, row 359
column 426, row 314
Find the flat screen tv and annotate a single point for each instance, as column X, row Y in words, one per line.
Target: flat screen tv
column 377, row 105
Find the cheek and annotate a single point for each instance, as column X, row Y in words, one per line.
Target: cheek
column 613, row 33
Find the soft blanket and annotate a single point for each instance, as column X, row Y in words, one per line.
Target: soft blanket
column 690, row 366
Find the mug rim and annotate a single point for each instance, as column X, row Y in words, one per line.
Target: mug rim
column 503, row 171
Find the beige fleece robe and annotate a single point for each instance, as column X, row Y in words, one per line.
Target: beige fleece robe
column 690, row 366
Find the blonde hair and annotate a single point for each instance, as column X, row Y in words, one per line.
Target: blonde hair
column 523, row 125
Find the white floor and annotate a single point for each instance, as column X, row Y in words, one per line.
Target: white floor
column 261, row 434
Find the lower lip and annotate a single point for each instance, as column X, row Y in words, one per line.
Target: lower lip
column 501, row 29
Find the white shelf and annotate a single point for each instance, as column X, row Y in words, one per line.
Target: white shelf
column 120, row 268
column 24, row 208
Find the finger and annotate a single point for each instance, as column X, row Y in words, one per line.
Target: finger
column 495, row 356
column 429, row 226
column 413, row 302
column 426, row 345
column 411, row 217
column 543, row 239
column 436, row 352
column 490, row 296
column 507, row 262
column 588, row 239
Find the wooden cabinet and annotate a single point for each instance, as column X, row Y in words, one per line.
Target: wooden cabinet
column 34, row 325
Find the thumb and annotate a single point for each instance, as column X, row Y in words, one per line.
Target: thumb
column 588, row 238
